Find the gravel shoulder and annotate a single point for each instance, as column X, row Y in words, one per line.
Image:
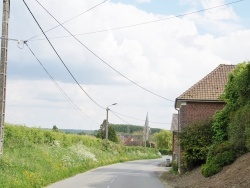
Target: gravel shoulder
column 235, row 175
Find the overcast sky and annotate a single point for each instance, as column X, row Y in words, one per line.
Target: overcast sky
column 165, row 54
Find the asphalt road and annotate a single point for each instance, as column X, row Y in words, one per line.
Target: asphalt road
column 134, row 174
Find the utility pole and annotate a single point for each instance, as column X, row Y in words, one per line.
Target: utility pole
column 107, row 121
column 146, row 131
column 107, row 124
column 3, row 68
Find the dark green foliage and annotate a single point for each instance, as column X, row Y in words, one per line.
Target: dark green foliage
column 164, row 151
column 130, row 129
column 195, row 141
column 209, row 170
column 231, row 127
column 219, row 155
column 102, row 131
column 239, row 121
column 174, row 166
column 155, row 130
column 236, row 97
column 219, row 126
column 81, row 133
column 55, row 128
column 238, row 89
column 112, row 135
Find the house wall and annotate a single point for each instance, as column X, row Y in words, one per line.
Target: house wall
column 194, row 112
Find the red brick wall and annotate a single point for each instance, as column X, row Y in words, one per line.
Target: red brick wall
column 198, row 111
column 195, row 112
column 175, row 146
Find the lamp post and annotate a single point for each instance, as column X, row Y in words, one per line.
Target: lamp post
column 107, row 123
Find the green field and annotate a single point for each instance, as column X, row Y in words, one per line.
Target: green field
column 34, row 157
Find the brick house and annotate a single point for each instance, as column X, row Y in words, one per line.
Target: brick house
column 201, row 101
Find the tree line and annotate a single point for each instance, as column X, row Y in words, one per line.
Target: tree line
column 130, row 129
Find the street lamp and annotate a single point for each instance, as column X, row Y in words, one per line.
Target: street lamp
column 107, row 123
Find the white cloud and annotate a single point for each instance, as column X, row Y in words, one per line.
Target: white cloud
column 165, row 57
column 223, row 13
column 143, row 1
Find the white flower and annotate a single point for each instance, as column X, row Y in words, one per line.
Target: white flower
column 82, row 152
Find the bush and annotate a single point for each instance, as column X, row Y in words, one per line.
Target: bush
column 238, row 129
column 35, row 157
column 231, row 127
column 164, row 151
column 219, row 155
column 174, row 166
column 209, row 170
column 195, row 141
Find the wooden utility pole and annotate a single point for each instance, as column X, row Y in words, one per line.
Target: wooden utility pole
column 3, row 68
column 146, row 131
column 107, row 125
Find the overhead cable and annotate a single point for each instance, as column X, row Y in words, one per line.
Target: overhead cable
column 58, row 86
column 102, row 59
column 138, row 118
column 61, row 58
column 145, row 23
column 70, row 19
column 119, row 117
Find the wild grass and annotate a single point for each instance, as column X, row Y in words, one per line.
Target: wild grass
column 35, row 158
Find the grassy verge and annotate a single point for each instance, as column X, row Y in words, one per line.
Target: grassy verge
column 35, row 158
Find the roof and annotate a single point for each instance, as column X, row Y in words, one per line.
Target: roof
column 174, row 123
column 208, row 88
column 132, row 142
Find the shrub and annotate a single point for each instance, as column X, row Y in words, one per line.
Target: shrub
column 164, row 151
column 238, row 129
column 219, row 155
column 195, row 141
column 209, row 170
column 231, row 127
column 220, row 125
column 35, row 157
column 174, row 166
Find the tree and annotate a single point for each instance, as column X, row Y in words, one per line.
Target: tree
column 102, row 131
column 55, row 128
column 163, row 139
column 112, row 135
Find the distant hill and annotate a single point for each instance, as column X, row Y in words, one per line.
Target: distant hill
column 119, row 128
column 78, row 131
column 130, row 129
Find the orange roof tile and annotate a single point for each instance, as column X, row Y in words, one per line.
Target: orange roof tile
column 210, row 87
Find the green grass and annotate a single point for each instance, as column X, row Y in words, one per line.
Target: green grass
column 35, row 158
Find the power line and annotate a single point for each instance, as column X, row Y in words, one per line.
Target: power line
column 145, row 23
column 101, row 58
column 119, row 117
column 58, row 86
column 70, row 19
column 71, row 101
column 138, row 118
column 61, row 58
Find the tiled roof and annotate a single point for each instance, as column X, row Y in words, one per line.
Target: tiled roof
column 211, row 86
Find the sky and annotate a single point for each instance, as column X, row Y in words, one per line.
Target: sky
column 140, row 54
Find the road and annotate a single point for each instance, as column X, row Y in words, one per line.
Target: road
column 134, row 174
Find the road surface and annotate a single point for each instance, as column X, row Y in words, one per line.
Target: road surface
column 134, row 174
